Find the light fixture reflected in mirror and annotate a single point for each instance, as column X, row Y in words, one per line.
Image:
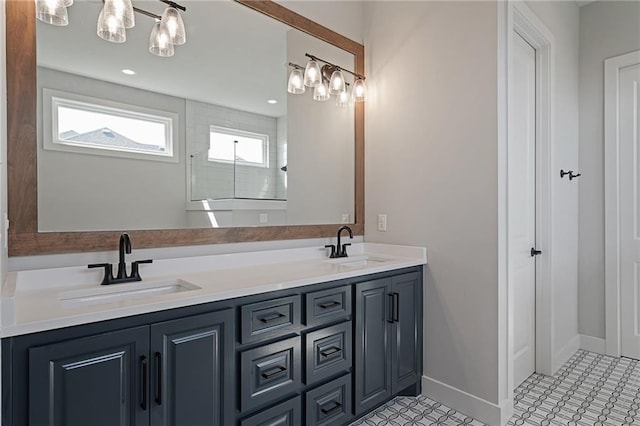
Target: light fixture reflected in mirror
column 312, row 74
column 342, row 100
column 111, row 29
column 296, row 81
column 116, row 16
column 121, row 10
column 321, row 92
column 326, row 80
column 336, row 84
column 53, row 12
column 159, row 41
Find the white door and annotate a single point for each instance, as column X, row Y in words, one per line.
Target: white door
column 629, row 172
column 522, row 206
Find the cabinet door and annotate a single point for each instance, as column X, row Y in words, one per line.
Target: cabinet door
column 406, row 329
column 192, row 370
column 372, row 354
column 97, row 380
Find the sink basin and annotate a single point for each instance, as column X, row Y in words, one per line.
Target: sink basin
column 118, row 292
column 357, row 261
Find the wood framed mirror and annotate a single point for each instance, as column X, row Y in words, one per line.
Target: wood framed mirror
column 24, row 236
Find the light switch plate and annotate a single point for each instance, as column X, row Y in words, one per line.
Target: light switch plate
column 382, row 222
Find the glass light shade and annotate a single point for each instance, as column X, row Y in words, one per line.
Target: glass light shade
column 175, row 25
column 120, row 9
column 67, row 3
column 336, row 84
column 359, row 91
column 321, row 92
column 312, row 74
column 159, row 41
column 343, row 99
column 111, row 29
column 52, row 12
column 296, row 82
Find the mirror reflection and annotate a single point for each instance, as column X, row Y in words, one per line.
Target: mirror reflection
column 208, row 137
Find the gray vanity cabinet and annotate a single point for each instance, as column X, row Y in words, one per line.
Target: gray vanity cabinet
column 96, row 381
column 168, row 373
column 387, row 345
column 191, row 375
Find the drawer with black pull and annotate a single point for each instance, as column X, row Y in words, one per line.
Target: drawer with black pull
column 269, row 319
column 327, row 305
column 328, row 352
column 269, row 372
column 288, row 413
column 329, row 404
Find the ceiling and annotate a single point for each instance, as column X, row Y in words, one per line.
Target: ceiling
column 234, row 56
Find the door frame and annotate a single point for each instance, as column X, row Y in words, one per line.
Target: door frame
column 527, row 25
column 612, row 68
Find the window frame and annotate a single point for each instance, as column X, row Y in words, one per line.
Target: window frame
column 242, row 133
column 54, row 99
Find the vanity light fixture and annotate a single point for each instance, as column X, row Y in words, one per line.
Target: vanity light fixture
column 116, row 16
column 326, row 81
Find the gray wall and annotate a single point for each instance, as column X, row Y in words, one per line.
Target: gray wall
column 78, row 191
column 607, row 29
column 431, row 165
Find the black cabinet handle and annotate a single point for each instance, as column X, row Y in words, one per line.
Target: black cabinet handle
column 327, row 305
column 158, row 378
column 328, row 411
column 331, row 351
column 396, row 307
column 535, row 252
column 145, row 382
column 391, row 307
column 274, row 372
column 271, row 317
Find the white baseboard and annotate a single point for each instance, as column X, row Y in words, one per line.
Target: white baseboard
column 566, row 352
column 592, row 344
column 463, row 402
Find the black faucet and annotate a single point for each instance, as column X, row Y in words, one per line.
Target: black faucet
column 340, row 250
column 124, row 248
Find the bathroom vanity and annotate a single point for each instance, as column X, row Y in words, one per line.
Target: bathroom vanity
column 243, row 339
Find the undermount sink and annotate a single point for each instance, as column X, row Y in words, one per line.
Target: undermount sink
column 118, row 292
column 357, row 261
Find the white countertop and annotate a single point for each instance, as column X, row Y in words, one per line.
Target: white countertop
column 33, row 301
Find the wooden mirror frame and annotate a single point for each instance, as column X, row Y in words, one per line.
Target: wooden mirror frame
column 24, row 238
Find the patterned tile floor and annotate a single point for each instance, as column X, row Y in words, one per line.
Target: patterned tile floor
column 589, row 390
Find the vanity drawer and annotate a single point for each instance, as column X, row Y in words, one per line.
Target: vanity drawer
column 287, row 413
column 271, row 318
column 269, row 372
column 327, row 305
column 328, row 352
column 329, row 404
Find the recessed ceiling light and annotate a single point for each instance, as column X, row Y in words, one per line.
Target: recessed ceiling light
column 128, row 71
column 272, row 101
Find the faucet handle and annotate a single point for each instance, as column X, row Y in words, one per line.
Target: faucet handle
column 343, row 253
column 135, row 271
column 108, row 272
column 333, row 250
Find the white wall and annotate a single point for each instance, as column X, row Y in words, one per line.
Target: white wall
column 562, row 19
column 431, row 166
column 607, row 29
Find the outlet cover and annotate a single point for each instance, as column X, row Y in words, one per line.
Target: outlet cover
column 382, row 222
column 264, row 217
